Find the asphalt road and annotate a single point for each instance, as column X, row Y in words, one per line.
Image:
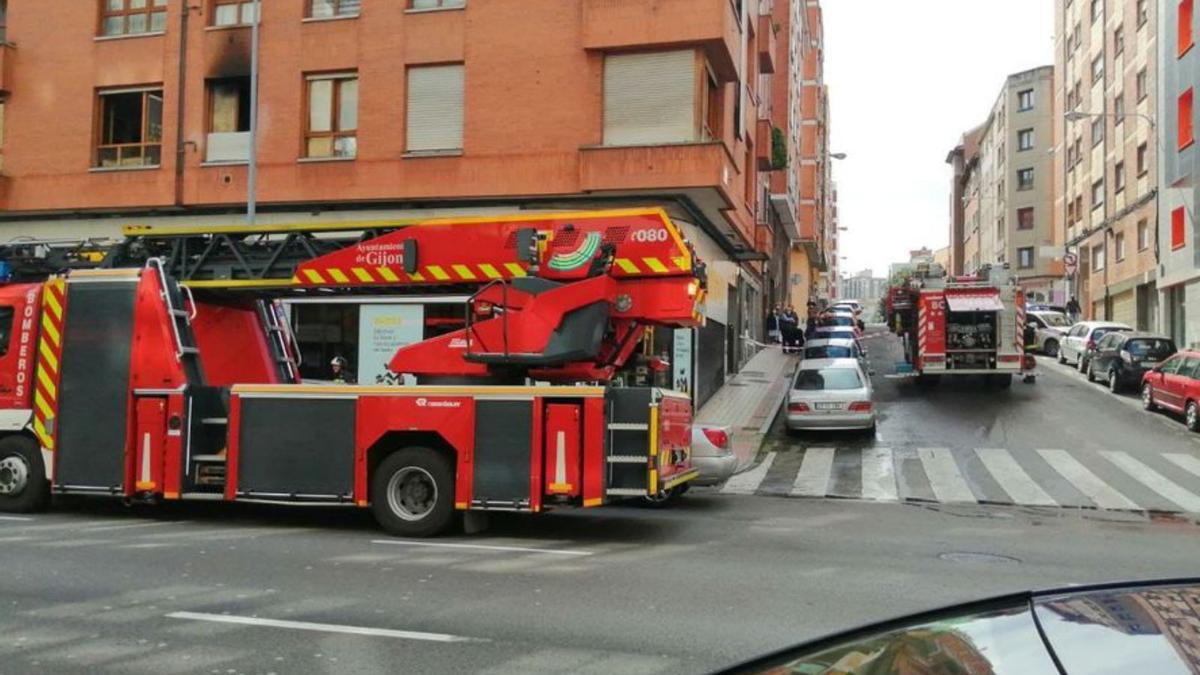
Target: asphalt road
column 211, row 588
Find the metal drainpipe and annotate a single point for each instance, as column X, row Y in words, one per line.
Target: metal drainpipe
column 181, row 100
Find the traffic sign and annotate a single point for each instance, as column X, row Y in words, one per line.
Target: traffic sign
column 1071, row 262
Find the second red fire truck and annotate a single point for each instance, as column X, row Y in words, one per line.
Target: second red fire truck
column 120, row 381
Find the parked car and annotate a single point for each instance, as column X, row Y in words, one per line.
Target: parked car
column 1122, row 358
column 831, row 394
column 838, row 348
column 1131, row 627
column 839, row 333
column 1175, row 385
column 1042, row 307
column 1082, row 338
column 712, row 453
column 1049, row 327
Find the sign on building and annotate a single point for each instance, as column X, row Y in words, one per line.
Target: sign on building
column 382, row 329
column 681, row 360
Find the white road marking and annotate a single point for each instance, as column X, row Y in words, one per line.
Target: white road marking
column 1085, row 481
column 482, row 547
column 1184, row 461
column 747, row 483
column 320, row 627
column 21, row 519
column 1154, row 480
column 879, row 475
column 1012, row 478
column 944, row 476
column 813, row 477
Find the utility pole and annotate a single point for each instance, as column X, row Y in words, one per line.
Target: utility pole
column 252, row 169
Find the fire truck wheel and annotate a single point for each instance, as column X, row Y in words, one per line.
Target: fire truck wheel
column 412, row 493
column 664, row 499
column 23, row 484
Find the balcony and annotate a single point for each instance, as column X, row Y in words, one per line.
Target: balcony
column 768, row 44
column 764, row 239
column 762, row 145
column 656, row 167
column 6, row 61
column 630, row 24
column 227, row 148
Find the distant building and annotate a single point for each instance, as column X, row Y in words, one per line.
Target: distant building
column 942, row 257
column 864, row 287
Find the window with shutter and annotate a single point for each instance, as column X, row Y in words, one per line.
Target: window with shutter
column 650, row 98
column 435, row 108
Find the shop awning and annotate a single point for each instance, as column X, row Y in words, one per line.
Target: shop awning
column 975, row 302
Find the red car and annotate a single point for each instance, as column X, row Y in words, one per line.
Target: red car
column 1175, row 385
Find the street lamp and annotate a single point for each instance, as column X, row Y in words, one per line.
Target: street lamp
column 1079, row 116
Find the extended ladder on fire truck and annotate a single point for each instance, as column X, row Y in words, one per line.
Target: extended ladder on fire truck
column 149, row 391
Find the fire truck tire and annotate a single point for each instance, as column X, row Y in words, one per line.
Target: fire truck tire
column 665, row 499
column 23, row 484
column 412, row 493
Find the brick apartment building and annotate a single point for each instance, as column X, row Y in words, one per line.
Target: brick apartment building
column 118, row 112
column 1106, row 63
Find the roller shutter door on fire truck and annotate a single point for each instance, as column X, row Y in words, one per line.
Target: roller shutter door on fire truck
column 1124, row 308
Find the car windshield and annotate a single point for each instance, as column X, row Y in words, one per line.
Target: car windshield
column 1150, row 348
column 1055, row 319
column 1101, row 332
column 828, row 352
column 839, row 321
column 828, row 379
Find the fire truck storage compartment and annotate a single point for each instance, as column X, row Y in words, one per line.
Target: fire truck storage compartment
column 971, row 339
column 629, row 437
column 93, row 404
column 503, row 447
column 296, row 448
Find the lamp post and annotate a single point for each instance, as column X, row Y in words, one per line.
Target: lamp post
column 252, row 158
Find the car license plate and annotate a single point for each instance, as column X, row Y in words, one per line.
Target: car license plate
column 829, row 406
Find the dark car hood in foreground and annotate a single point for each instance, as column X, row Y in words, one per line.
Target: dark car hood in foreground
column 1151, row 628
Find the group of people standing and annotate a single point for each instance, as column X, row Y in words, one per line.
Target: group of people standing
column 783, row 327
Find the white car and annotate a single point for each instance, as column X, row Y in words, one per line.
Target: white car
column 831, row 394
column 712, row 453
column 1049, row 329
column 838, row 348
column 1078, row 343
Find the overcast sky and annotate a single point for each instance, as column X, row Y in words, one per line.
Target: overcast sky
column 906, row 79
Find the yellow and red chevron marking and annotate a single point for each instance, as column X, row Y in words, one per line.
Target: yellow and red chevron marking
column 454, row 272
column 49, row 360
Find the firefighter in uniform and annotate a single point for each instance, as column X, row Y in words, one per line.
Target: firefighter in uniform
column 340, row 369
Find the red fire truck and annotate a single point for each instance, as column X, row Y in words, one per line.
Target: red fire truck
column 960, row 325
column 121, row 381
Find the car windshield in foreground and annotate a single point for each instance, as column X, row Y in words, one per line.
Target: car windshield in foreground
column 828, row 352
column 828, row 379
column 1101, row 332
column 1149, row 348
column 1055, row 319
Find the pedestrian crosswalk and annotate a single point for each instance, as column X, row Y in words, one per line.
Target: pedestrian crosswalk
column 1106, row 479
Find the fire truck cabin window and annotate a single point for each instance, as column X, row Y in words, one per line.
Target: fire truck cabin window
column 6, row 323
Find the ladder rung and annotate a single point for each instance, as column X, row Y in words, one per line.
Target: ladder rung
column 209, row 458
column 189, row 350
column 215, row 420
column 179, row 313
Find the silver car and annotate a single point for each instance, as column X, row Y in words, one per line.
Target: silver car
column 712, row 453
column 1049, row 329
column 838, row 348
column 1079, row 342
column 831, row 394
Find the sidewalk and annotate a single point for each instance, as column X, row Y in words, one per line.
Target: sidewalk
column 749, row 400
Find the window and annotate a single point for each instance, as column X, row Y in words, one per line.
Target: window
column 1070, row 212
column 232, row 12
column 436, row 4
column 332, row 116
column 1143, row 12
column 130, row 128
column 1143, row 159
column 828, row 379
column 1098, row 257
column 1119, row 41
column 1025, row 100
column 1025, row 257
column 649, row 98
column 1119, row 247
column 1143, row 235
column 1178, row 226
column 325, row 9
column 6, row 322
column 1079, row 207
column 714, row 106
column 1075, row 94
column 435, row 108
column 1025, row 218
column 132, row 17
column 1118, row 108
column 1098, row 69
column 1025, row 179
column 1097, row 193
column 1025, row 139
column 228, row 120
column 1078, row 145
column 1185, row 26
column 1142, row 90
column 1119, row 177
column 1073, row 40
column 1184, row 119
column 1097, row 131
column 1097, row 9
